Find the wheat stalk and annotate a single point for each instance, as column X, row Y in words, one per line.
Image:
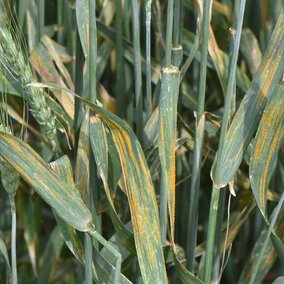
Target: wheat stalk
column 20, row 74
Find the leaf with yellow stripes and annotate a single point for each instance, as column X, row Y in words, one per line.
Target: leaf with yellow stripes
column 65, row 201
column 140, row 192
column 99, row 143
column 103, row 270
column 167, row 138
column 246, row 120
column 141, row 198
column 269, row 137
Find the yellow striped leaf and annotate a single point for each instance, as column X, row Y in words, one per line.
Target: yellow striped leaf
column 268, row 141
column 99, row 143
column 167, row 138
column 65, row 201
column 142, row 201
column 249, row 113
column 103, row 270
column 140, row 192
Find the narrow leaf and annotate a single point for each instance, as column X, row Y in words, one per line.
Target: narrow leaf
column 167, row 142
column 82, row 169
column 82, row 17
column 249, row 113
column 268, row 141
column 251, row 50
column 184, row 275
column 3, row 250
column 99, row 145
column 51, row 255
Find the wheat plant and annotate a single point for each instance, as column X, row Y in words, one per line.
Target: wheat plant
column 152, row 150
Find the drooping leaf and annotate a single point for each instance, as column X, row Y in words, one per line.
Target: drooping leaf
column 66, row 202
column 140, row 193
column 102, row 269
column 63, row 168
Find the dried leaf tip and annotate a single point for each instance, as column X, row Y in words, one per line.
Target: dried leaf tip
column 172, row 69
column 231, row 188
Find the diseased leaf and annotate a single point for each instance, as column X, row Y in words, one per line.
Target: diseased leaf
column 66, row 202
column 63, row 168
column 99, row 145
column 278, row 245
column 106, row 271
column 249, row 113
column 50, row 46
column 269, row 137
column 102, row 269
column 43, row 63
column 266, row 264
column 142, row 201
column 140, row 193
column 167, row 135
column 242, row 80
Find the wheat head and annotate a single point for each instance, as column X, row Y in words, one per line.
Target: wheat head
column 20, row 74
